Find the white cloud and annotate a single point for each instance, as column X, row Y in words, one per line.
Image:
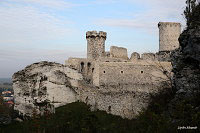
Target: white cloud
column 36, row 54
column 13, row 60
column 26, row 23
column 155, row 11
column 21, row 23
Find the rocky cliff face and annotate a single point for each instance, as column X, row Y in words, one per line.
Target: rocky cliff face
column 186, row 60
column 43, row 86
column 186, row 68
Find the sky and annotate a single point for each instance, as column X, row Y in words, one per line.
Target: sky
column 54, row 30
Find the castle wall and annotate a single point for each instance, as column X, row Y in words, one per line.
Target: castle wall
column 83, row 65
column 163, row 56
column 111, row 59
column 120, row 73
column 134, row 56
column 125, row 104
column 125, row 101
column 168, row 35
column 148, row 56
column 118, row 52
column 95, row 44
column 107, row 54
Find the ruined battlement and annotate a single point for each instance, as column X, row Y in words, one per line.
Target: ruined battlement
column 94, row 34
column 135, row 56
column 164, row 24
column 118, row 52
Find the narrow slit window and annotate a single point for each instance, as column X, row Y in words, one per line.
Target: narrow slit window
column 82, row 66
column 89, row 65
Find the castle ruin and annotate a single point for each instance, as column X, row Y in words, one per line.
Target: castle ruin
column 105, row 80
column 115, row 68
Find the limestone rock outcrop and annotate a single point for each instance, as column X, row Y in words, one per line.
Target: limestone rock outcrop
column 43, row 86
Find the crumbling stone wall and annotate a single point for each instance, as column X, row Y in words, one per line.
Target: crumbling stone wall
column 84, row 65
column 135, row 57
column 148, row 56
column 163, row 56
column 126, row 103
column 118, row 52
column 107, row 54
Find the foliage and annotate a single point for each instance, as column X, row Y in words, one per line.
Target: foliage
column 6, row 112
column 4, row 109
column 76, row 117
column 192, row 12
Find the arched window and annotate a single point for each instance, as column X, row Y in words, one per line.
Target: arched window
column 82, row 66
column 88, row 66
column 92, row 70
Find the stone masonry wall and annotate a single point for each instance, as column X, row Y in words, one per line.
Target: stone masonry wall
column 168, row 35
column 114, row 100
column 134, row 56
column 148, row 56
column 118, row 52
column 122, row 73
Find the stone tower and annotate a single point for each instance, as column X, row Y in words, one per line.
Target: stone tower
column 169, row 33
column 95, row 44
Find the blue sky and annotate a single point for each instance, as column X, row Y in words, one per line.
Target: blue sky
column 53, row 30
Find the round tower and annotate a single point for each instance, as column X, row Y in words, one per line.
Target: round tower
column 169, row 33
column 95, row 44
